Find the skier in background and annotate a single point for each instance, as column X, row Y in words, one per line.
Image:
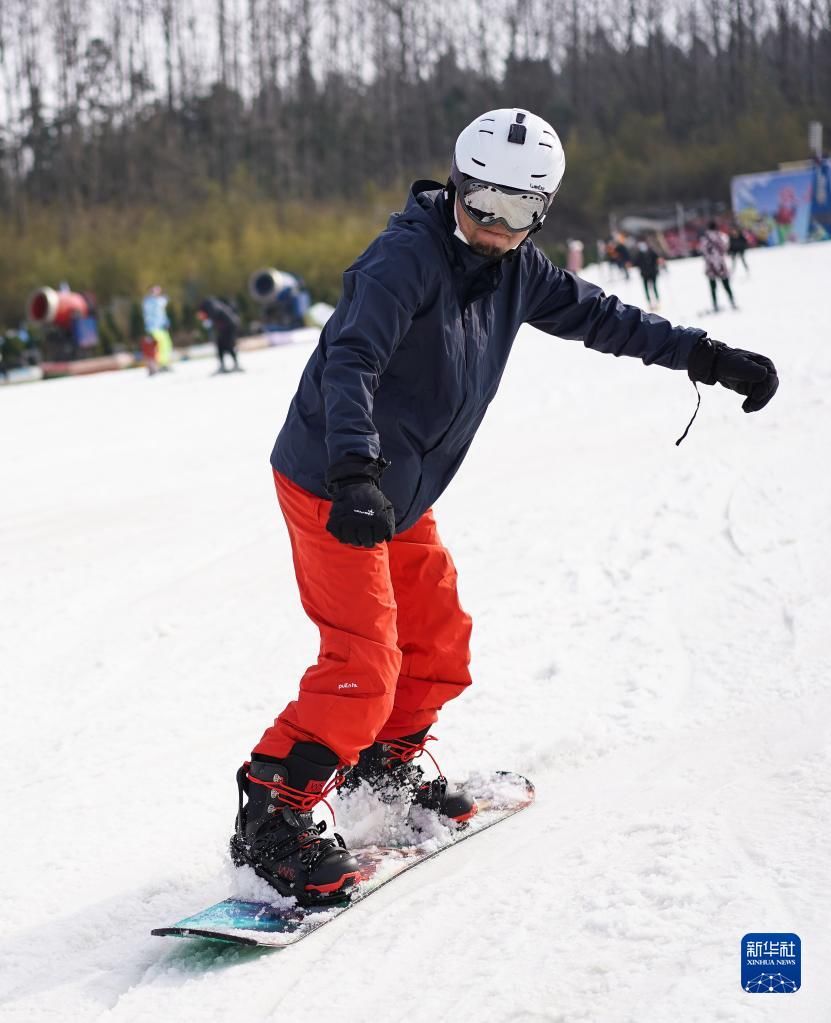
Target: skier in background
column 149, row 352
column 713, row 246
column 385, row 412
column 157, row 327
column 225, row 323
column 737, row 248
column 618, row 254
column 647, row 261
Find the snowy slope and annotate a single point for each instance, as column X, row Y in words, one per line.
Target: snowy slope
column 651, row 647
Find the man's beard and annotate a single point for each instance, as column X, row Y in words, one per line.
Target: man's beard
column 487, row 249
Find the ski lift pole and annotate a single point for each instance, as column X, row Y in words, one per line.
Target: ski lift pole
column 682, row 234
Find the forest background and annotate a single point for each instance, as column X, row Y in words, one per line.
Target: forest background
column 188, row 143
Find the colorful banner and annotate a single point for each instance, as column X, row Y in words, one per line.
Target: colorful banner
column 775, row 206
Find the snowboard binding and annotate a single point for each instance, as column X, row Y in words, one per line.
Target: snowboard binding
column 276, row 836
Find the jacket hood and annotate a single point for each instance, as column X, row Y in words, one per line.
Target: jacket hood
column 431, row 203
column 426, row 204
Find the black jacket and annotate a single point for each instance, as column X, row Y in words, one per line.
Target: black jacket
column 414, row 352
column 225, row 321
column 646, row 261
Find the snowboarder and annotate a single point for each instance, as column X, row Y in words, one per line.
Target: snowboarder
column 225, row 324
column 618, row 254
column 713, row 246
column 149, row 353
column 647, row 261
column 157, row 329
column 385, row 412
column 738, row 247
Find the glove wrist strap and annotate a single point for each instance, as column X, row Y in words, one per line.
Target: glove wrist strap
column 353, row 471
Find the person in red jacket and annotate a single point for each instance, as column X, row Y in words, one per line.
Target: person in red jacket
column 385, row 412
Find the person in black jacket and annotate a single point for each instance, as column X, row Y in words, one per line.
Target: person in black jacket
column 225, row 325
column 618, row 254
column 648, row 261
column 385, row 412
column 737, row 247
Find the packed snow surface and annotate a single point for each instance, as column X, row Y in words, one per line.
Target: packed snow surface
column 651, row 647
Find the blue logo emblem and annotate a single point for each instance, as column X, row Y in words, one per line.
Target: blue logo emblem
column 771, row 964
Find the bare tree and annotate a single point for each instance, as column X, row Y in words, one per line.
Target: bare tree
column 165, row 98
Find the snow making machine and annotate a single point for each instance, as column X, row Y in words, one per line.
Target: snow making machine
column 67, row 320
column 282, row 298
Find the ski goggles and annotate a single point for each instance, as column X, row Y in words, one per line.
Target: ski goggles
column 491, row 204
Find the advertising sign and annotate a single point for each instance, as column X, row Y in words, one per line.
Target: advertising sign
column 774, row 206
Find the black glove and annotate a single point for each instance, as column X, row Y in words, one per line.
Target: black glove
column 754, row 376
column 361, row 515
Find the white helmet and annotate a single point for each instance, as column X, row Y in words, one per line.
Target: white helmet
column 512, row 148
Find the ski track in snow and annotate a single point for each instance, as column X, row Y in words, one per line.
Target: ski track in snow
column 650, row 647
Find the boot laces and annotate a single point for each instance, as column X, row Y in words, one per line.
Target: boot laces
column 403, row 752
column 298, row 799
column 307, row 841
column 429, row 794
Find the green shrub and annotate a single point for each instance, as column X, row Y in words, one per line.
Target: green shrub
column 213, row 245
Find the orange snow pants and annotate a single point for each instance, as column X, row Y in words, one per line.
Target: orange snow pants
column 394, row 642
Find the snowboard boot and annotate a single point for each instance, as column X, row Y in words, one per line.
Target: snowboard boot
column 388, row 768
column 275, row 833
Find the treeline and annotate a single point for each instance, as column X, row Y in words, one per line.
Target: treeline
column 189, row 141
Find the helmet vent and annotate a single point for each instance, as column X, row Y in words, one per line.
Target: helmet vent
column 539, row 175
column 485, row 131
column 546, row 144
column 478, row 162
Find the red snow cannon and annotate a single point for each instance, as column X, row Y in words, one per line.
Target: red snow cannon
column 47, row 307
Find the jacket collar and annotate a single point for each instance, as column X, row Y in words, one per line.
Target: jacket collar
column 430, row 203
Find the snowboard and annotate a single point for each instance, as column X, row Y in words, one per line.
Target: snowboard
column 283, row 921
